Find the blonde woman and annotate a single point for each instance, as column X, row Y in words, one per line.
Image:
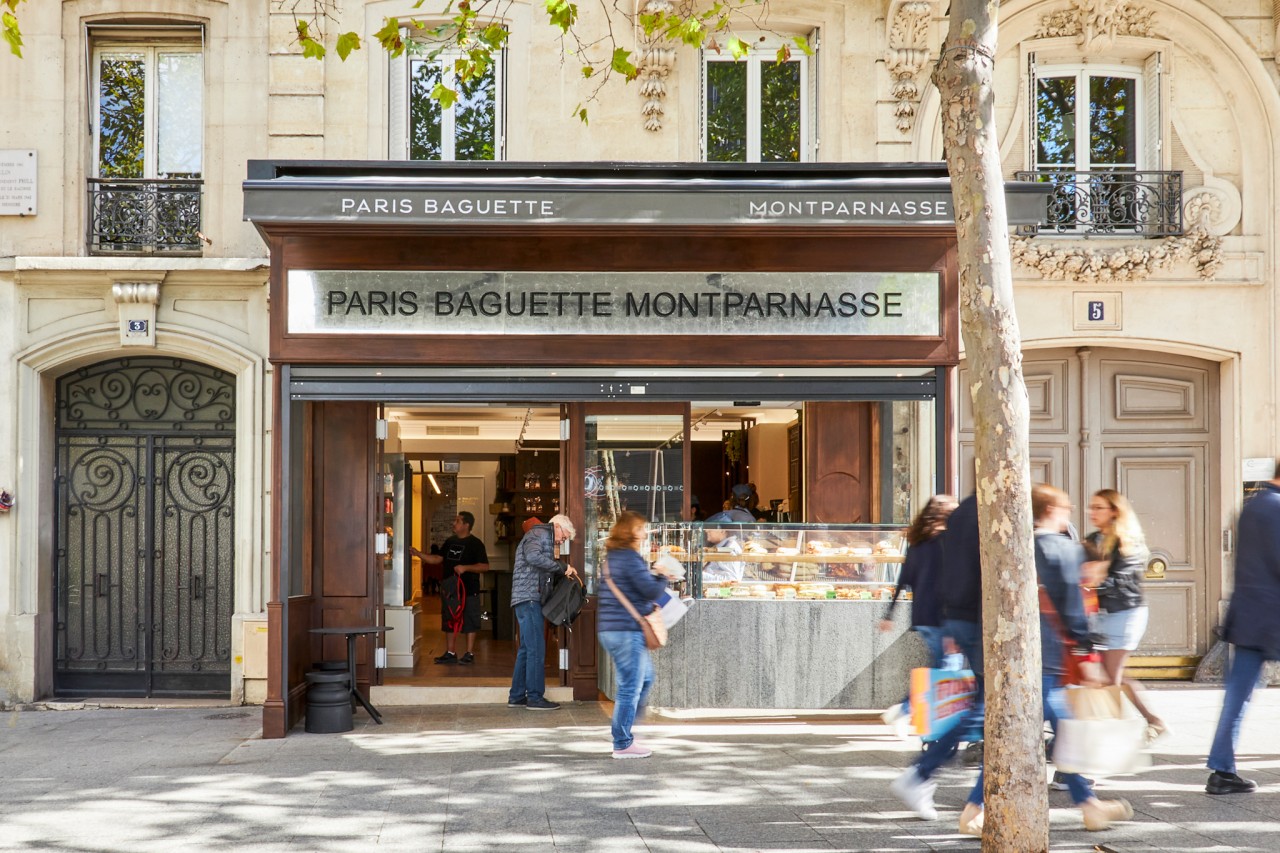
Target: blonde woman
column 1117, row 575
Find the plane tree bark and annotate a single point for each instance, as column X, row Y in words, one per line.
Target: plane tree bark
column 1017, row 809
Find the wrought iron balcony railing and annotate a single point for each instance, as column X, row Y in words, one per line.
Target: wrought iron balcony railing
column 142, row 216
column 1110, row 201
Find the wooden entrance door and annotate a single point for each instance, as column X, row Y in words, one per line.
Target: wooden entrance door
column 1147, row 426
column 840, row 482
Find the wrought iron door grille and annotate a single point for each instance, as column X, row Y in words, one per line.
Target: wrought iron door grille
column 1110, row 202
column 149, row 393
column 145, row 529
column 144, row 216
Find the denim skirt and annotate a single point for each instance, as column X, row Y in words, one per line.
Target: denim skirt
column 1123, row 629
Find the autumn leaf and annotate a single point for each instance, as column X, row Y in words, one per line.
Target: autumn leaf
column 737, row 47
column 389, row 37
column 347, row 42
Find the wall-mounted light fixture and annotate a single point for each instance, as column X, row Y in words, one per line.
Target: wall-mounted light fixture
column 431, row 478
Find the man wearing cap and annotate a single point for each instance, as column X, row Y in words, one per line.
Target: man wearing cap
column 535, row 567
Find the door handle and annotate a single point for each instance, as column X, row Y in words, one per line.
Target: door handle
column 101, row 585
column 197, row 586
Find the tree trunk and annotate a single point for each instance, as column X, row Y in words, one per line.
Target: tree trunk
column 1017, row 807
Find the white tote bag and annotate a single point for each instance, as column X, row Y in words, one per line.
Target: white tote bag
column 1105, row 738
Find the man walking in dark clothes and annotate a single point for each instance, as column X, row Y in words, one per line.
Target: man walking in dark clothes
column 464, row 558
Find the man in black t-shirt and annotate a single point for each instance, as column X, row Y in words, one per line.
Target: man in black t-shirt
column 464, row 558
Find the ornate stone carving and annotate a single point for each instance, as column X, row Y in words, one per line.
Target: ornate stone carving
column 654, row 67
column 908, row 52
column 144, row 292
column 1085, row 261
column 1215, row 207
column 1096, row 23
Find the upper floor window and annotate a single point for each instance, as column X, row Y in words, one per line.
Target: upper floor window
column 469, row 127
column 757, row 109
column 148, row 148
column 1096, row 134
column 1087, row 120
column 150, row 112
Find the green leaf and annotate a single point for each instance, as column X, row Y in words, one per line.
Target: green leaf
column 444, row 95
column 621, row 63
column 389, row 37
column 803, row 44
column 563, row 14
column 737, row 47
column 311, row 48
column 347, row 42
column 588, row 71
column 12, row 33
column 494, row 35
column 784, row 54
column 691, row 32
column 581, row 114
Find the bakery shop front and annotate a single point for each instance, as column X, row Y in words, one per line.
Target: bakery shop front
column 511, row 340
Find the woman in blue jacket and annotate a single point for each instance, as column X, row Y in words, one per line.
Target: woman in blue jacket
column 620, row 633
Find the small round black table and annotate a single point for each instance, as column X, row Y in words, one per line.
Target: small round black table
column 351, row 634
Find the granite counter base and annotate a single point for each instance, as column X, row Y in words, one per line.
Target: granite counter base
column 784, row 654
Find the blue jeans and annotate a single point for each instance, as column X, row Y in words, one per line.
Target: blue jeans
column 1054, row 700
column 1242, row 677
column 634, row 678
column 968, row 636
column 529, row 679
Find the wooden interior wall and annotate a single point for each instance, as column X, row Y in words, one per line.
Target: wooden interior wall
column 839, row 456
column 343, row 590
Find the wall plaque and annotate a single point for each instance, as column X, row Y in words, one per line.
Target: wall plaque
column 17, row 182
column 396, row 302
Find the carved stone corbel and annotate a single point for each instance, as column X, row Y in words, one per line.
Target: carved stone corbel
column 136, row 303
column 654, row 67
column 908, row 40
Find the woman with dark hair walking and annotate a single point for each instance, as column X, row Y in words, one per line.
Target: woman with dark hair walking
column 920, row 573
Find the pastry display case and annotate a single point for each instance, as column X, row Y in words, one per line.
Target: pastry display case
column 762, row 561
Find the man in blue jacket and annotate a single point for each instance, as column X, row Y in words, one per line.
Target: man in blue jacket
column 534, row 568
column 1251, row 627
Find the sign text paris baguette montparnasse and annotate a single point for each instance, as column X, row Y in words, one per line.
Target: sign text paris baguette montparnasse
column 406, row 302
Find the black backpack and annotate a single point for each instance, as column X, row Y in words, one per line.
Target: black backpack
column 563, row 601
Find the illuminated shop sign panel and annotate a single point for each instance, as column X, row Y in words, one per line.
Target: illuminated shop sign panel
column 398, row 302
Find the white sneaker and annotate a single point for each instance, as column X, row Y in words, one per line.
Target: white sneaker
column 916, row 794
column 892, row 714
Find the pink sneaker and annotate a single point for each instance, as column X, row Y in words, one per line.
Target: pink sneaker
column 633, row 751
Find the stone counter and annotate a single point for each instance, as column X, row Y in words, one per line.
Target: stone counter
column 783, row 654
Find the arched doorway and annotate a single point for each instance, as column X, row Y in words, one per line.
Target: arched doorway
column 144, row 529
column 1146, row 424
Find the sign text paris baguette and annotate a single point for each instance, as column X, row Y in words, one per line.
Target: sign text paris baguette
column 688, row 206
column 398, row 302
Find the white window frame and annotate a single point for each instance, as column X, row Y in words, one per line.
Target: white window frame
column 1082, row 72
column 150, row 148
column 399, row 78
column 762, row 52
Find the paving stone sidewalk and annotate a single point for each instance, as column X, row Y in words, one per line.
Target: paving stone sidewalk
column 480, row 778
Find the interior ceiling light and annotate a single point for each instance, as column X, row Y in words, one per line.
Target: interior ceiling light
column 431, row 478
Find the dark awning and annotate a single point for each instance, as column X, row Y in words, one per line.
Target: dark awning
column 474, row 194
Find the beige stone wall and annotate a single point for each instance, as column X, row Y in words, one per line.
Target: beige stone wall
column 874, row 102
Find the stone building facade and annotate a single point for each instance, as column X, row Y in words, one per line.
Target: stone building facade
column 134, row 310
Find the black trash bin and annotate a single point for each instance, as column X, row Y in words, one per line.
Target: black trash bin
column 334, row 666
column 329, row 702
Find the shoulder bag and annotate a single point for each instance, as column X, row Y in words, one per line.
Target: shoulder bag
column 652, row 626
column 1071, row 661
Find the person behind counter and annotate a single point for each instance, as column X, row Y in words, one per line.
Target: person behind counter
column 920, row 572
column 627, row 576
column 725, row 541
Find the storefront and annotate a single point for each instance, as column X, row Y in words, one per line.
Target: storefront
column 654, row 292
